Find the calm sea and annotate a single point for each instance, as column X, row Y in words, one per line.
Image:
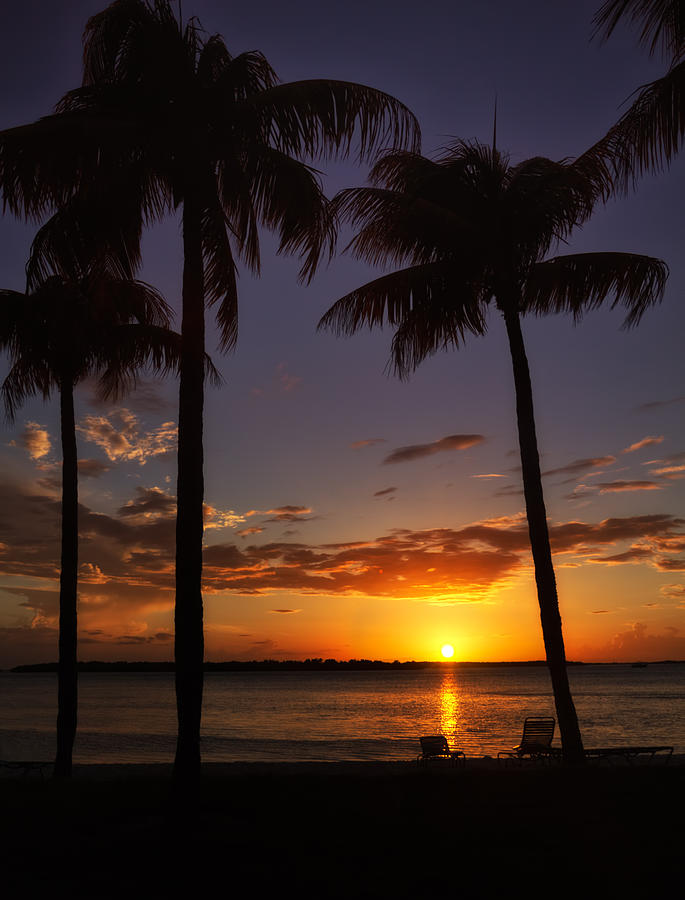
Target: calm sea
column 292, row 716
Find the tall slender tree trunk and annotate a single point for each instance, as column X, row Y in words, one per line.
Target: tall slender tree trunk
column 572, row 744
column 67, row 674
column 189, row 639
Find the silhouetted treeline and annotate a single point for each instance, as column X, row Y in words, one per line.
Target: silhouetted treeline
column 286, row 665
column 310, row 665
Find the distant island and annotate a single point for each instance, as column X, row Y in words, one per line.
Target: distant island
column 300, row 665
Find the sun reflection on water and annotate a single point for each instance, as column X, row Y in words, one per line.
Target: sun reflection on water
column 449, row 707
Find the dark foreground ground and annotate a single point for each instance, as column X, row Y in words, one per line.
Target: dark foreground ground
column 346, row 831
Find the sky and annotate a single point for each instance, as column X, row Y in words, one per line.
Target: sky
column 351, row 515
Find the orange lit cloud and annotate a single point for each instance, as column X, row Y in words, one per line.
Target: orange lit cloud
column 671, row 473
column 369, row 442
column 120, row 436
column 648, row 441
column 35, row 439
column 608, row 487
column 419, row 451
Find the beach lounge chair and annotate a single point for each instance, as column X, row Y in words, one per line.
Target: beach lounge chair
column 536, row 741
column 22, row 766
column 435, row 747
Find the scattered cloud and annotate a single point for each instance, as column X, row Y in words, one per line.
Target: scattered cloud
column 648, row 441
column 35, row 439
column 419, row 451
column 385, row 492
column 285, row 611
column 286, row 381
column 92, row 468
column 657, row 404
column 490, row 475
column 369, row 442
column 599, row 612
column 579, row 466
column 670, row 473
column 245, row 532
column 149, row 503
column 609, row 487
column 120, row 436
column 674, row 592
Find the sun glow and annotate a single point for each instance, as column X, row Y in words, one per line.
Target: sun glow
column 447, row 651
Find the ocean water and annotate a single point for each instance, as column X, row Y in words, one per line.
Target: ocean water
column 297, row 716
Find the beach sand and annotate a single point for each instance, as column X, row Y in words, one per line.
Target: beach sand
column 347, row 830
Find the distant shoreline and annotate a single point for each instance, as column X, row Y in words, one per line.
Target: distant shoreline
column 315, row 665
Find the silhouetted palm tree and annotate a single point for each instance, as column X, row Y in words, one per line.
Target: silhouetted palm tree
column 651, row 131
column 473, row 230
column 67, row 327
column 175, row 121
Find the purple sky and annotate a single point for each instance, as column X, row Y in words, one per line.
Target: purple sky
column 299, row 441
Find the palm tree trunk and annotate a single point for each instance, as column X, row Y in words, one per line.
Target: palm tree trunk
column 67, row 675
column 572, row 744
column 189, row 639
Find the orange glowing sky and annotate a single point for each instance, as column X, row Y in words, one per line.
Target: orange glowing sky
column 350, row 515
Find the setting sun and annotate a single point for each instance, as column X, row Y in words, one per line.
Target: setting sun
column 447, row 651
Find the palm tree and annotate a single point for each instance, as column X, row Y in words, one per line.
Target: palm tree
column 71, row 325
column 170, row 120
column 472, row 229
column 650, row 133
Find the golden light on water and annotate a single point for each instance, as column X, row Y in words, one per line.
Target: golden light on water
column 449, row 706
column 447, row 651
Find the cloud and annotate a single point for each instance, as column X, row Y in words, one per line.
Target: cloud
column 289, row 514
column 599, row 612
column 609, row 487
column 418, row 451
column 385, row 491
column 579, row 466
column 670, row 473
column 637, row 643
column 92, row 468
column 645, row 442
column 244, row 532
column 285, row 611
column 674, row 592
column 35, row 439
column 657, row 404
column 149, row 503
column 120, row 436
column 490, row 475
column 286, row 381
column 369, row 442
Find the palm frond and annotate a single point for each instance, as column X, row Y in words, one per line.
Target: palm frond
column 320, row 118
column 648, row 135
column 288, row 199
column 106, row 33
column 662, row 22
column 392, row 298
column 220, row 271
column 397, row 227
column 584, row 281
column 26, row 378
column 93, row 231
column 438, row 322
column 233, row 191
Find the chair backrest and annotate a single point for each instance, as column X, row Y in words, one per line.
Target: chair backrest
column 538, row 731
column 434, row 745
